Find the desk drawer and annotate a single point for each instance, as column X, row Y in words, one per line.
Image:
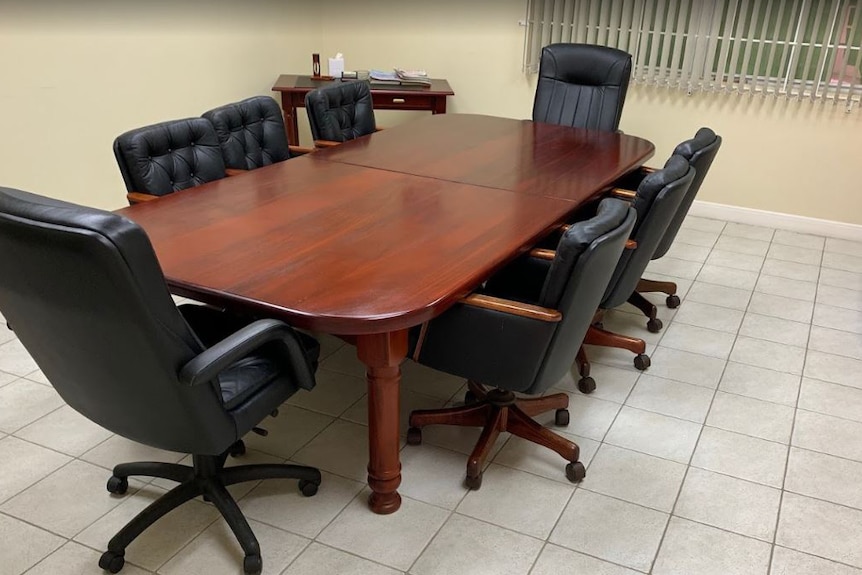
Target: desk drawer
column 405, row 101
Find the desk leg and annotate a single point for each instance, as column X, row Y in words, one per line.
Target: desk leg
column 439, row 105
column 291, row 127
column 382, row 355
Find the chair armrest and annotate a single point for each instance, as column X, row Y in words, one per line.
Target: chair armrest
column 543, row 253
column 207, row 365
column 138, row 197
column 325, row 143
column 631, row 245
column 512, row 307
column 299, row 150
column 623, row 194
column 235, row 171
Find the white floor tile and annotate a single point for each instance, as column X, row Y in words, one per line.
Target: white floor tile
column 332, row 395
column 635, row 477
column 703, row 224
column 14, row 359
column 752, row 417
column 698, row 340
column 728, row 276
column 796, row 254
column 118, row 449
column 781, row 307
column 785, row 287
column 22, row 402
column 674, row 267
column 828, row 434
column 760, row 383
column 345, row 361
column 824, row 477
column 77, row 559
column 435, row 475
column 741, row 245
column 22, row 545
column 469, row 547
column 342, row 449
column 729, row 503
column 831, row 399
column 839, row 297
column 25, row 464
column 690, row 548
column 588, row 417
column 768, row 354
column 787, row 238
column 688, row 252
column 539, row 460
column 410, row 401
column 654, row 434
column 6, row 378
column 844, row 262
column 775, row 329
column 741, row 456
column 837, row 318
column 840, row 278
column 790, row 270
column 612, row 383
column 734, row 260
column 789, row 562
column 839, row 246
column 319, row 559
column 709, row 316
column 290, row 431
column 65, row 430
column 732, row 297
column 396, row 540
column 834, row 368
column 697, row 237
column 427, row 381
column 668, row 397
column 748, row 231
column 518, row 501
column 555, row 560
column 804, row 523
column 610, row 529
column 836, row 342
column 687, row 367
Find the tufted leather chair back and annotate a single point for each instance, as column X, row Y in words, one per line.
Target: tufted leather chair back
column 340, row 111
column 170, row 156
column 658, row 198
column 582, row 86
column 86, row 297
column 250, row 132
column 700, row 151
column 526, row 355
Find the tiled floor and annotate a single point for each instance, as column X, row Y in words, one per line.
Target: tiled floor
column 738, row 451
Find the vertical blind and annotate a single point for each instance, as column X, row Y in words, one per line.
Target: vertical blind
column 796, row 48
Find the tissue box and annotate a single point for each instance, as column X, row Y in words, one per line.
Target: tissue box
column 336, row 67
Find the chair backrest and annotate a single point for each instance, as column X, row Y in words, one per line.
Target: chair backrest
column 700, row 151
column 582, row 85
column 250, row 132
column 529, row 355
column 657, row 200
column 164, row 158
column 86, row 297
column 340, row 111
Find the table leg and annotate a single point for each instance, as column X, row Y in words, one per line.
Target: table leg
column 439, row 105
column 382, row 355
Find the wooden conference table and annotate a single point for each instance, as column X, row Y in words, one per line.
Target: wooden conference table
column 371, row 238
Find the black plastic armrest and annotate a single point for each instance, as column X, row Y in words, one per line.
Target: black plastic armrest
column 207, row 365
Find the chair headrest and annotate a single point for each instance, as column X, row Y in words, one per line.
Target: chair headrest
column 585, row 64
column 703, row 138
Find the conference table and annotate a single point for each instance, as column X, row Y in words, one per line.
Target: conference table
column 376, row 236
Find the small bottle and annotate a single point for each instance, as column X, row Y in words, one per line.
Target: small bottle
column 315, row 65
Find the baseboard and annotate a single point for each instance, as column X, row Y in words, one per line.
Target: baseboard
column 801, row 224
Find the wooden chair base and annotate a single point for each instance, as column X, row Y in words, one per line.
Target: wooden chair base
column 653, row 286
column 495, row 411
column 598, row 336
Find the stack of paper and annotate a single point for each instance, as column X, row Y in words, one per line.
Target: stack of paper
column 401, row 77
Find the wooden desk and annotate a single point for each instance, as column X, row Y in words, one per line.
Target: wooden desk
column 294, row 87
column 366, row 252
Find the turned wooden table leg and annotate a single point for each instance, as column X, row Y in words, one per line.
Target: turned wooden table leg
column 382, row 355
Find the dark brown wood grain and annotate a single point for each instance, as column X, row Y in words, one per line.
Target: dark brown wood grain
column 518, row 155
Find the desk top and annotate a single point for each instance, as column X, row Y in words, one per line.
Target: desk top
column 350, row 249
column 304, row 83
column 518, row 155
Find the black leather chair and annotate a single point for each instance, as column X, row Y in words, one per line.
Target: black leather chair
column 164, row 158
column 85, row 295
column 700, row 151
column 251, row 133
column 339, row 112
column 582, row 85
column 657, row 200
column 526, row 342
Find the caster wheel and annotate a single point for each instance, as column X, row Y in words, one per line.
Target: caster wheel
column 599, row 325
column 473, row 483
column 586, row 385
column 575, row 471
column 672, row 301
column 237, row 449
column 561, row 417
column 118, row 485
column 414, row 436
column 112, row 562
column 252, row 565
column 654, row 325
column 308, row 488
column 642, row 361
column 469, row 398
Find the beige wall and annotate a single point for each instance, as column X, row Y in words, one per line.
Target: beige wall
column 76, row 74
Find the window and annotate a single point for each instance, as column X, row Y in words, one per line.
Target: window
column 798, row 48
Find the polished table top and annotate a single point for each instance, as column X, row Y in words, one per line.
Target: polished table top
column 381, row 234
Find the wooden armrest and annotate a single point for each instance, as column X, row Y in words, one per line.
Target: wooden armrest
column 543, row 254
column 325, row 143
column 648, row 169
column 623, row 194
column 138, row 197
column 512, row 307
column 235, row 172
column 631, row 244
column 299, row 150
column 564, row 228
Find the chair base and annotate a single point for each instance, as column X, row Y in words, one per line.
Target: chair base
column 208, row 477
column 653, row 286
column 598, row 336
column 495, row 411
